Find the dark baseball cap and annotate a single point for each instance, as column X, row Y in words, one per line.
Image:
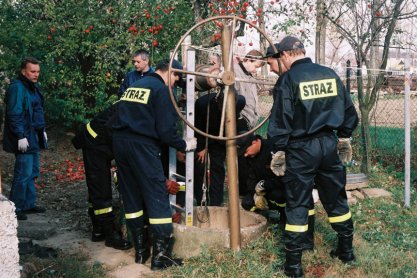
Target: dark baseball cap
column 175, row 65
column 244, row 142
column 286, row 44
column 270, row 52
column 290, row 43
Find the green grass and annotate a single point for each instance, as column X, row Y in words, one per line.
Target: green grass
column 385, row 244
column 389, row 139
column 65, row 265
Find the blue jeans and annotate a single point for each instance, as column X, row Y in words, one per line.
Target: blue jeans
column 26, row 169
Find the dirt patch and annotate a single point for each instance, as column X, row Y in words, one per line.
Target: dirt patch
column 62, row 190
column 64, row 196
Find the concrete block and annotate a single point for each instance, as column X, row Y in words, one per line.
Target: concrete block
column 9, row 250
column 375, row 193
column 215, row 233
column 356, row 181
column 357, row 194
column 37, row 227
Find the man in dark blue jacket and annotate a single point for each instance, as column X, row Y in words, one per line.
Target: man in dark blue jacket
column 141, row 62
column 24, row 135
column 145, row 120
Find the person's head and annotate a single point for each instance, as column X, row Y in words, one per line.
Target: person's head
column 162, row 68
column 249, row 146
column 290, row 50
column 275, row 64
column 214, row 61
column 140, row 59
column 253, row 61
column 30, row 68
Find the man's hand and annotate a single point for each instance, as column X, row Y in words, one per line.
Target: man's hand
column 345, row 150
column 22, row 145
column 191, row 144
column 180, row 156
column 201, row 156
column 172, row 186
column 176, row 217
column 278, row 165
column 260, row 202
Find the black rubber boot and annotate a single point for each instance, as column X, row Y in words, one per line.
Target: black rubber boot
column 292, row 266
column 161, row 254
column 140, row 241
column 309, row 245
column 344, row 250
column 97, row 233
column 114, row 239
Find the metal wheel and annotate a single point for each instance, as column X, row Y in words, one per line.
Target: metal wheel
column 227, row 77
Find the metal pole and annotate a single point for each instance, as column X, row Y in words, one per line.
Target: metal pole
column 348, row 70
column 189, row 156
column 231, row 153
column 407, row 82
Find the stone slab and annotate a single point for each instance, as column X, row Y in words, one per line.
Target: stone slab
column 36, row 227
column 375, row 193
column 356, row 181
column 357, row 194
column 351, row 198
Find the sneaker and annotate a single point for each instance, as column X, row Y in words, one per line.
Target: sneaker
column 21, row 215
column 35, row 209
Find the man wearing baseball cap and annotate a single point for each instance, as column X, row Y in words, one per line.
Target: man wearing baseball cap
column 312, row 112
column 146, row 119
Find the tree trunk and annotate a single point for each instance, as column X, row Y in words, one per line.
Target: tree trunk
column 321, row 22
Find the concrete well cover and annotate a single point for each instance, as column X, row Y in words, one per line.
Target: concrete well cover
column 190, row 241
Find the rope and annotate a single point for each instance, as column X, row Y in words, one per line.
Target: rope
column 203, row 214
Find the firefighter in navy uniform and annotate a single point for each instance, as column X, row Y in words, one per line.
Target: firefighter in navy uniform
column 145, row 120
column 312, row 111
column 95, row 140
column 264, row 189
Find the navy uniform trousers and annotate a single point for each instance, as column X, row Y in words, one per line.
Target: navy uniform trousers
column 97, row 165
column 142, row 183
column 310, row 162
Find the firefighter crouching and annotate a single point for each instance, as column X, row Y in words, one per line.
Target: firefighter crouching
column 95, row 140
column 145, row 119
column 265, row 191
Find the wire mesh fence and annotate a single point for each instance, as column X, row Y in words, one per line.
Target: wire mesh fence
column 386, row 118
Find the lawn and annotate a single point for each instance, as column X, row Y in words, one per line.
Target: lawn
column 385, row 243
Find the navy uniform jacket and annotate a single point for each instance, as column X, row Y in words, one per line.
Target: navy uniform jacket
column 259, row 169
column 97, row 134
column 145, row 111
column 310, row 99
column 215, row 114
column 131, row 77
